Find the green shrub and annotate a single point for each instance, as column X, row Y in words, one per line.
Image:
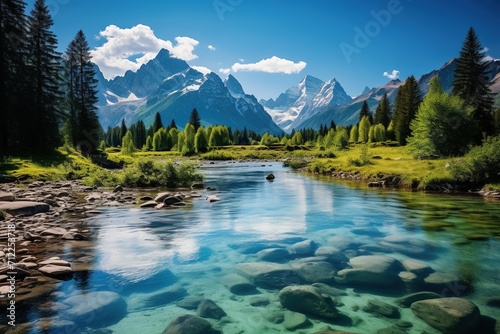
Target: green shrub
column 296, row 163
column 149, row 173
column 481, row 165
column 218, row 155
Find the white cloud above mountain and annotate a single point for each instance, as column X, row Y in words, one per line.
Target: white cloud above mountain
column 211, row 48
column 393, row 75
column 128, row 48
column 269, row 65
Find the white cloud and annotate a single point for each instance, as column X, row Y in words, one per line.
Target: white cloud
column 202, row 69
column 211, row 48
column 225, row 70
column 270, row 65
column 393, row 76
column 129, row 48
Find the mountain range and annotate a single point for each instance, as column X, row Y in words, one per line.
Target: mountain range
column 171, row 87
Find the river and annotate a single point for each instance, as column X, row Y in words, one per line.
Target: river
column 155, row 258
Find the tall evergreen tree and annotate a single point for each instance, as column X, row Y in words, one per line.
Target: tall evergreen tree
column 157, row 124
column 44, row 63
column 470, row 82
column 123, row 128
column 84, row 124
column 365, row 111
column 383, row 112
column 172, row 124
column 12, row 55
column 194, row 119
column 408, row 100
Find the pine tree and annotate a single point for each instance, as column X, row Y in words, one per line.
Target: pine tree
column 332, row 125
column 408, row 100
column 42, row 127
column 470, row 82
column 365, row 111
column 172, row 125
column 123, row 128
column 12, row 69
column 194, row 119
column 157, row 124
column 383, row 112
column 85, row 129
column 128, row 144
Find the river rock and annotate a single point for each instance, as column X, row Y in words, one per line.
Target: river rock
column 273, row 255
column 316, row 272
column 303, row 248
column 197, row 185
column 118, row 189
column 449, row 315
column 329, row 290
column 332, row 254
column 295, row 320
column 27, row 208
column 407, row 300
column 408, row 246
column 208, row 309
column 54, row 271
column 269, row 275
column 444, row 284
column 55, row 262
column 270, row 177
column 96, row 308
column 238, row 284
column 379, row 307
column 149, row 204
column 171, row 200
column 259, row 301
column 7, row 197
column 368, row 230
column 418, row 268
column 305, row 299
column 213, row 198
column 190, row 324
column 161, row 196
column 73, row 236
column 371, row 271
column 165, row 297
column 189, row 303
column 54, row 231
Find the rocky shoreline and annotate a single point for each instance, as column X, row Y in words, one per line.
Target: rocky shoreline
column 41, row 219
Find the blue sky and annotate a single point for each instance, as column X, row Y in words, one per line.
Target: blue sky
column 270, row 45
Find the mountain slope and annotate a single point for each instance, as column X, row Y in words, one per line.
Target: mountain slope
column 303, row 101
column 349, row 113
column 170, row 87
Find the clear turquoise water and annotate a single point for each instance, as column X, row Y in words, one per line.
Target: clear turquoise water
column 140, row 253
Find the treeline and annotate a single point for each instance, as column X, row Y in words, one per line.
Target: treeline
column 48, row 98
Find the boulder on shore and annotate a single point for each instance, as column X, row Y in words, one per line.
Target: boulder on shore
column 448, row 315
column 24, row 208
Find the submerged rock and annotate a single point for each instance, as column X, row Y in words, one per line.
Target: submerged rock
column 303, row 248
column 294, row 320
column 371, row 270
column 305, row 299
column 316, row 272
column 273, row 254
column 238, row 284
column 408, row 246
column 444, row 284
column 269, row 275
column 96, row 309
column 165, row 297
column 449, row 315
column 190, row 324
column 189, row 303
column 379, row 307
column 208, row 309
column 407, row 300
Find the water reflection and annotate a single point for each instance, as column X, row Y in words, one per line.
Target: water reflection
column 152, row 258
